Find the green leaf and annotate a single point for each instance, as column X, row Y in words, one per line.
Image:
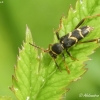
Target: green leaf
column 37, row 77
column 5, row 98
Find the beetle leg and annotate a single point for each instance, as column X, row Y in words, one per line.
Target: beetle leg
column 57, row 65
column 81, row 22
column 66, row 64
column 71, row 55
column 57, row 34
column 93, row 40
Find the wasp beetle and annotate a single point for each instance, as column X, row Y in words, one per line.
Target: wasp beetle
column 68, row 40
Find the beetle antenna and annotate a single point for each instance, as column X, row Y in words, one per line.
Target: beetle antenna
column 39, row 47
column 36, row 46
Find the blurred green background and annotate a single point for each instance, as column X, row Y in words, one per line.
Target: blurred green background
column 41, row 16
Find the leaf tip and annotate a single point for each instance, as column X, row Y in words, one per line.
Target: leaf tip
column 28, row 35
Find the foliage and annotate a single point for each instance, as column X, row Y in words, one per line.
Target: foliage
column 37, row 77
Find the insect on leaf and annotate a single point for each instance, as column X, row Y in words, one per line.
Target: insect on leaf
column 36, row 76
